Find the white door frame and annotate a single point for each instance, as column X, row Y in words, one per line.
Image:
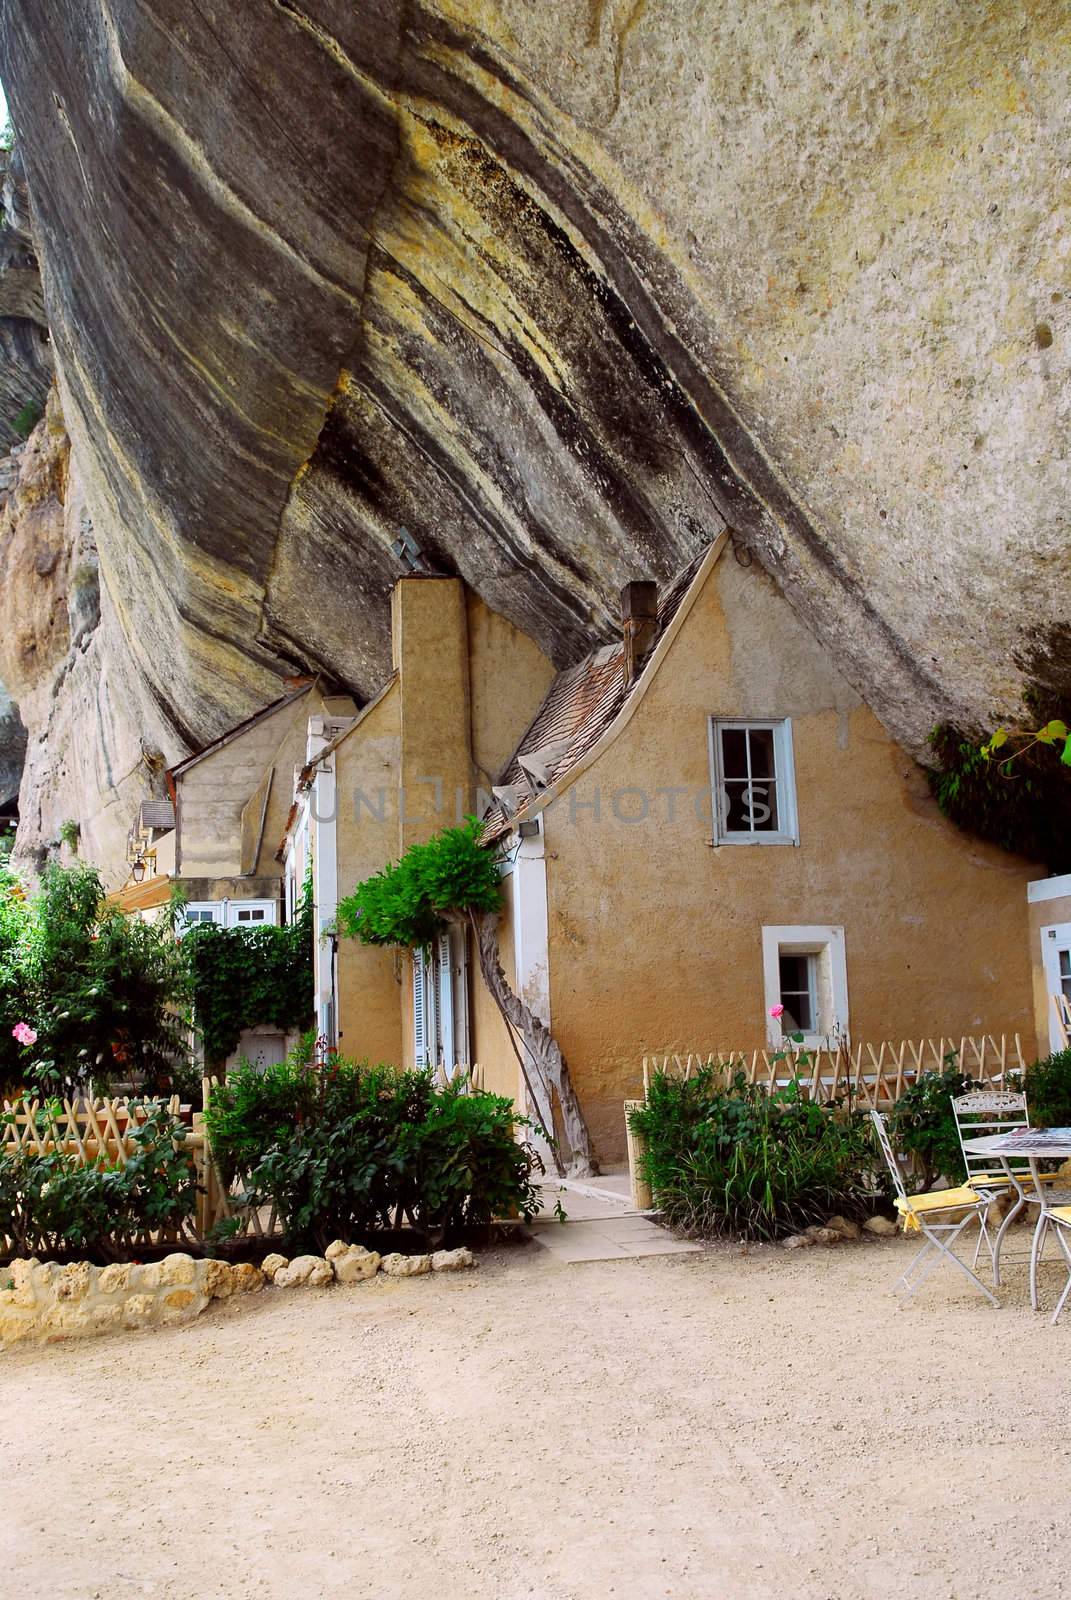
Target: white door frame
column 1054, row 938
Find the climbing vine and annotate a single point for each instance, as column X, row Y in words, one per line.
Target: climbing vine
column 250, row 977
column 1012, row 789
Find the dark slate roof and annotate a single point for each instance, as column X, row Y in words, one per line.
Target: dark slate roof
column 582, row 702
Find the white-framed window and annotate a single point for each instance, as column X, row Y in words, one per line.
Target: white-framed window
column 753, row 780
column 805, row 971
column 201, row 911
column 230, row 913
column 250, row 913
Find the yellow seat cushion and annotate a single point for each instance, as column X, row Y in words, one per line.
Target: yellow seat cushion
column 1063, row 1212
column 937, row 1200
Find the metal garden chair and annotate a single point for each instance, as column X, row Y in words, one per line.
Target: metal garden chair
column 917, row 1211
column 985, row 1113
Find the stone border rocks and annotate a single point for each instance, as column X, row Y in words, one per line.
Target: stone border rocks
column 46, row 1303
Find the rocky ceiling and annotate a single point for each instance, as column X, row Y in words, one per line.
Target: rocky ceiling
column 560, row 288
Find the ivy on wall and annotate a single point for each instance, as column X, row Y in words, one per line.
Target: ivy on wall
column 250, row 977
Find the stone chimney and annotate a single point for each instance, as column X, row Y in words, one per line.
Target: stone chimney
column 639, row 623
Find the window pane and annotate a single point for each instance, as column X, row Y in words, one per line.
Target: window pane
column 794, row 973
column 1065, row 963
column 737, row 808
column 797, row 992
column 734, row 752
column 762, row 802
column 762, row 752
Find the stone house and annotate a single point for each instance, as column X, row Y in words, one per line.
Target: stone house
column 210, row 837
column 696, row 824
column 421, row 755
column 705, row 822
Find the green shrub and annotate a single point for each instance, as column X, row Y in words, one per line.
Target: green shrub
column 350, row 1148
column 922, row 1123
column 103, row 992
column 1048, row 1091
column 735, row 1159
column 27, row 419
column 53, row 1202
column 256, row 1109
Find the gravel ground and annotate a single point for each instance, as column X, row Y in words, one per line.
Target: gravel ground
column 720, row 1425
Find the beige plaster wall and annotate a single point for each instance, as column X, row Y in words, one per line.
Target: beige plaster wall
column 1043, row 914
column 509, row 676
column 431, row 657
column 491, row 1045
column 366, row 787
column 655, row 936
column 212, row 793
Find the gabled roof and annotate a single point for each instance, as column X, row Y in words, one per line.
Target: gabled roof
column 583, row 704
column 236, row 732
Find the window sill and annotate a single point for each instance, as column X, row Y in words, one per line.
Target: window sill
column 753, row 839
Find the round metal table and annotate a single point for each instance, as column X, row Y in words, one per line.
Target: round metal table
column 1032, row 1145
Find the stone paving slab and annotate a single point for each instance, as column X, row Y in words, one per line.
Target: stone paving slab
column 608, row 1239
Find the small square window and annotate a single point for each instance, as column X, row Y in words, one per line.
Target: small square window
column 804, row 971
column 753, row 782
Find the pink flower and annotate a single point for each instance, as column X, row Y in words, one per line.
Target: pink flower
column 24, row 1033
column 777, row 1011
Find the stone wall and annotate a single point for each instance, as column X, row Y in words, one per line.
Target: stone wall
column 48, row 1303
column 42, row 1302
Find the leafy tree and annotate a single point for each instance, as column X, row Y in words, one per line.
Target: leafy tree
column 452, row 878
column 16, row 1001
column 102, row 992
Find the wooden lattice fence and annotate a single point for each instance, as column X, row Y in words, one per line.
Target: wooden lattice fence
column 95, row 1129
column 870, row 1075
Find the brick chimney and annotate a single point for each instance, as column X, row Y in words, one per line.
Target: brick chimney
column 639, row 623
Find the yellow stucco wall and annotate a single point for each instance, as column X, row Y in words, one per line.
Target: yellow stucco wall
column 469, row 684
column 655, row 936
column 366, row 830
column 491, row 1046
column 509, row 677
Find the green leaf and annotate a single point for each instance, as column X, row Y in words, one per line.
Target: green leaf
column 1065, row 757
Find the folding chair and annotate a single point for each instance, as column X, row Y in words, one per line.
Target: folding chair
column 986, row 1113
column 939, row 1236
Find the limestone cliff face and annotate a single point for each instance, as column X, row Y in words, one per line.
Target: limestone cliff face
column 95, row 740
column 561, row 288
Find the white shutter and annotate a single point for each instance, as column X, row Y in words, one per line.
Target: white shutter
column 445, row 977
column 420, row 1010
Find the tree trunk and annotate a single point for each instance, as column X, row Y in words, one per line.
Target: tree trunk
column 544, row 1057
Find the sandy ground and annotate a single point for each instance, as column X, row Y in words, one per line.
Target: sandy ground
column 718, row 1425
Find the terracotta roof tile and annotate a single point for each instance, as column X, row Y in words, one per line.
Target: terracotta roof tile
column 581, row 704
